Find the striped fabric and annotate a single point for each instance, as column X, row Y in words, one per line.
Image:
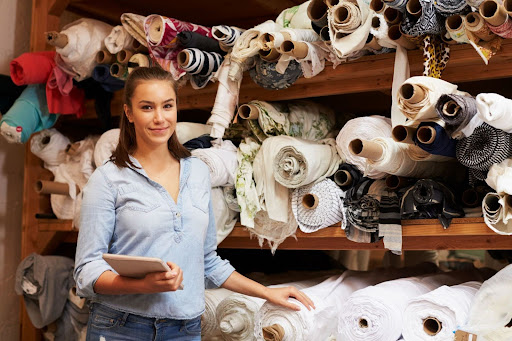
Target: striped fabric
column 362, row 214
column 390, row 225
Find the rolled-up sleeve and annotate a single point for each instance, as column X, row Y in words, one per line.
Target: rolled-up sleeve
column 216, row 269
column 97, row 223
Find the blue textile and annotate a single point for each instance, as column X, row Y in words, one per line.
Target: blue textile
column 101, row 74
column 443, row 143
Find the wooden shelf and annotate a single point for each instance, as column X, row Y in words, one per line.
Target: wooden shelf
column 424, row 234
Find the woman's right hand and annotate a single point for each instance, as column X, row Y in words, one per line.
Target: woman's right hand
column 164, row 281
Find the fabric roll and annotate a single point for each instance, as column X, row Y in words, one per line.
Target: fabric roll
column 85, row 39
column 161, row 34
column 364, row 128
column 295, row 17
column 139, row 60
column 118, row 39
column 105, row 146
column 362, row 213
column 226, row 35
column 485, row 147
column 497, row 213
column 278, row 37
column 225, row 218
column 28, row 115
column 314, row 62
column 432, row 89
column 322, row 322
column 201, row 65
column 266, row 75
column 353, row 172
column 248, row 44
column 491, row 311
column 447, row 305
column 200, row 42
column 134, row 25
column 450, row 7
column 429, row 22
column 399, row 5
column 428, row 199
column 302, row 119
column 376, row 312
column 396, row 161
column 346, row 45
column 50, row 146
column 326, row 210
column 477, row 26
column 442, row 144
column 221, row 161
column 101, row 74
column 32, row 67
column 353, row 18
column 457, row 112
column 230, row 197
column 44, row 282
column 504, row 30
column 246, row 193
column 415, row 153
column 495, row 110
column 201, row 142
column 212, row 298
column 499, row 177
column 187, row 131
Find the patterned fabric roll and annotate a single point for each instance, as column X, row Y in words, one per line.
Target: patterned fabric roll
column 429, row 23
column 464, row 109
column 265, row 74
column 449, row 7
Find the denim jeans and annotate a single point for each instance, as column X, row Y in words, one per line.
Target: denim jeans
column 107, row 324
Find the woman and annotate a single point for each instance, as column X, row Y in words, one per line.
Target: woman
column 152, row 199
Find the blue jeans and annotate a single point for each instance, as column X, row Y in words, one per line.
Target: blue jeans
column 107, row 324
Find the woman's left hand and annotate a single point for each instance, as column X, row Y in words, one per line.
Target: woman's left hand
column 280, row 297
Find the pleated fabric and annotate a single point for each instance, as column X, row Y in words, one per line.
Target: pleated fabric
column 329, row 209
column 491, row 309
column 446, row 305
column 212, row 298
column 375, row 313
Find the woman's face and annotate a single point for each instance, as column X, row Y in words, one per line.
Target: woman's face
column 153, row 113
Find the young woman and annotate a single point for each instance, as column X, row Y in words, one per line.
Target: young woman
column 152, row 199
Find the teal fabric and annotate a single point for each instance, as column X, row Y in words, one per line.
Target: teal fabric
column 30, row 112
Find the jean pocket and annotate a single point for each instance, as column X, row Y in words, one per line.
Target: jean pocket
column 199, row 197
column 103, row 321
column 193, row 327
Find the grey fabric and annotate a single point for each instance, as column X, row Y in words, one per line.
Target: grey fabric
column 265, row 74
column 50, row 278
column 70, row 326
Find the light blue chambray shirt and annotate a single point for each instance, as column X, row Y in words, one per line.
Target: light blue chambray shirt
column 125, row 212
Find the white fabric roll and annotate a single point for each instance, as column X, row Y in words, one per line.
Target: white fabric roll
column 50, row 146
column 495, row 110
column 314, row 62
column 295, row 17
column 118, row 39
column 425, row 109
column 236, row 313
column 330, row 208
column 225, row 218
column 187, row 131
column 447, row 307
column 295, row 162
column 212, row 298
column 134, row 25
column 497, row 213
column 375, row 313
column 105, row 146
column 85, row 40
column 491, row 309
column 221, row 161
column 364, row 128
column 248, row 44
column 499, row 177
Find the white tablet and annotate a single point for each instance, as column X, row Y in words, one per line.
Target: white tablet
column 136, row 266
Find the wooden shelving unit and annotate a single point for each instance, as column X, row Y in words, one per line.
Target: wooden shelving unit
column 367, row 74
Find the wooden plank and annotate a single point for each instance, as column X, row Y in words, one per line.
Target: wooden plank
column 41, row 23
column 55, row 225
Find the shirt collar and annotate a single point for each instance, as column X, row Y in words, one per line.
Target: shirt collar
column 184, row 169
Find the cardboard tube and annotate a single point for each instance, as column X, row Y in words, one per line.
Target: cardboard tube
column 493, row 12
column 310, row 201
column 340, row 16
column 508, row 200
column 248, row 112
column 233, row 326
column 297, row 49
column 123, row 56
column 56, row 39
column 324, row 34
column 493, row 203
column 156, row 30
column 397, row 36
column 392, row 16
column 363, row 323
column 183, row 58
column 403, row 134
column 372, row 43
column 377, row 6
column 475, row 24
column 271, row 55
column 451, row 108
column 470, row 198
column 317, row 12
column 118, row 70
column 394, row 182
column 412, row 93
column 426, row 135
column 138, row 47
column 414, row 8
column 331, row 3
column 73, row 148
column 366, row 149
column 508, row 6
column 273, row 333
column 343, row 178
column 432, row 326
column 375, row 22
column 105, row 57
column 52, row 187
column 448, row 40
column 454, row 22
column 267, row 40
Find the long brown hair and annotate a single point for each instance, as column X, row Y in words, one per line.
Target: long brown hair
column 127, row 142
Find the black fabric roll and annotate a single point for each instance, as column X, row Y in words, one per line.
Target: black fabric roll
column 354, row 173
column 443, row 144
column 189, row 39
column 485, row 147
column 362, row 213
column 466, row 112
column 430, row 22
column 102, row 100
column 428, row 199
column 101, row 74
column 201, row 142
